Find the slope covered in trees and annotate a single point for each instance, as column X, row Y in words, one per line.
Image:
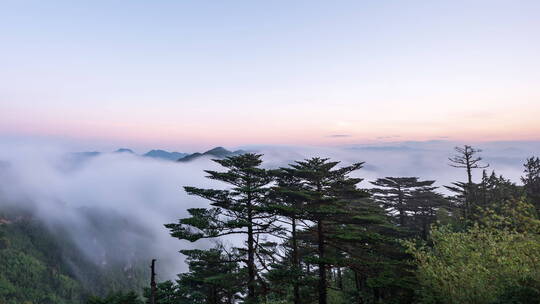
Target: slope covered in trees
column 41, row 266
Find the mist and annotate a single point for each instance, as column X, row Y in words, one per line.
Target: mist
column 427, row 160
column 114, row 205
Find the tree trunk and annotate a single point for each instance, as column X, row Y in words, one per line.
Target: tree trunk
column 251, row 257
column 376, row 296
column 358, row 287
column 153, row 288
column 339, row 278
column 322, row 264
column 468, row 196
column 401, row 208
column 214, row 295
column 469, row 173
column 296, row 287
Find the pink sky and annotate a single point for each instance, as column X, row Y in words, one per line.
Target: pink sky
column 193, row 75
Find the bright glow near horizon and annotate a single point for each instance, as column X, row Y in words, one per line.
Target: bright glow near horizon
column 200, row 73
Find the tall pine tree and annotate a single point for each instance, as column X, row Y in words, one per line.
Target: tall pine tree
column 288, row 201
column 240, row 210
column 396, row 194
column 328, row 191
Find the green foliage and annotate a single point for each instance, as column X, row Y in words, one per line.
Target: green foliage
column 493, row 261
column 30, row 270
column 38, row 266
column 397, row 194
column 213, row 277
column 328, row 196
column 242, row 210
column 531, row 181
column 116, row 298
column 167, row 293
column 495, row 190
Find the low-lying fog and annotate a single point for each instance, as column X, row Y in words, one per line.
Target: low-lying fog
column 114, row 205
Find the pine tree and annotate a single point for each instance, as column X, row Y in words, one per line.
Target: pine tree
column 396, row 194
column 287, row 282
column 213, row 278
column 368, row 244
column 328, row 191
column 424, row 205
column 496, row 190
column 492, row 192
column 460, row 200
column 240, row 210
column 288, row 201
column 167, row 293
column 531, row 181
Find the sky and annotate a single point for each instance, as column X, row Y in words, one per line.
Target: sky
column 195, row 74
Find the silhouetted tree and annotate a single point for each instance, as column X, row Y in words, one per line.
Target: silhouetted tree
column 496, row 190
column 328, row 191
column 468, row 159
column 213, row 278
column 396, row 194
column 531, row 181
column 424, row 205
column 240, row 210
column 288, row 201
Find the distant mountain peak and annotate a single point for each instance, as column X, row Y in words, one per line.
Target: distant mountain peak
column 217, row 152
column 162, row 154
column 217, row 149
column 124, row 150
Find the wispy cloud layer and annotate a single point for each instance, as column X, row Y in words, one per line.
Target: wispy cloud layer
column 132, row 197
column 339, row 135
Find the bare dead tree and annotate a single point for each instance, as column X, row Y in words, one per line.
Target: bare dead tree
column 468, row 159
column 153, row 288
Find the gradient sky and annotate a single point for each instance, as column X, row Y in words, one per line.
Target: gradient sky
column 190, row 74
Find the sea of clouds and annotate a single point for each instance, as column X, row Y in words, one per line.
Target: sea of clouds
column 114, row 205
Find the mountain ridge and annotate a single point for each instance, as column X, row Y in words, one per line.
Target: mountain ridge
column 163, row 154
column 217, row 152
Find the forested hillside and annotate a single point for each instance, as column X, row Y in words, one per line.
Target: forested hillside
column 39, row 266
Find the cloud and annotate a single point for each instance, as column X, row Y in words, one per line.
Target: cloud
column 339, row 135
column 425, row 159
column 114, row 205
column 388, row 137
